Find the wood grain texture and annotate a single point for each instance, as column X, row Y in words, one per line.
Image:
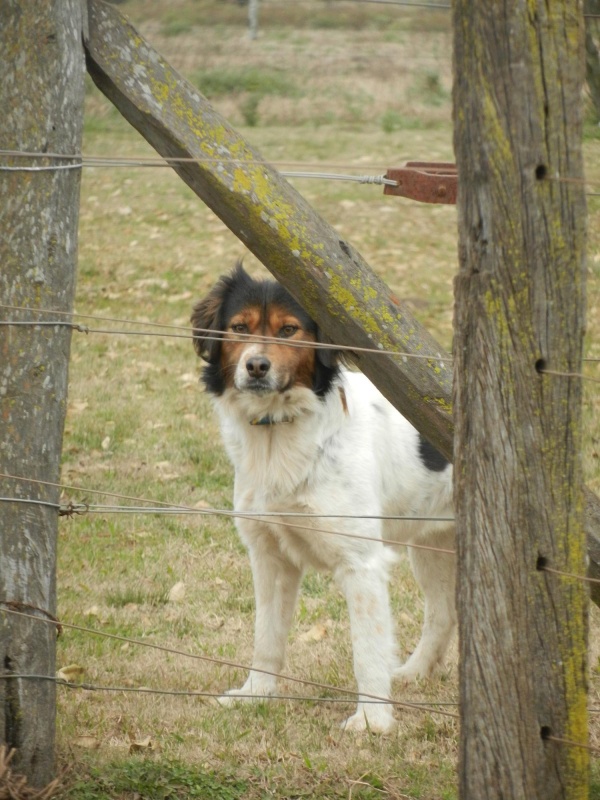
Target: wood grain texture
column 42, row 89
column 518, row 475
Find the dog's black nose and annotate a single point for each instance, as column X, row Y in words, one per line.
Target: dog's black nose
column 258, row 366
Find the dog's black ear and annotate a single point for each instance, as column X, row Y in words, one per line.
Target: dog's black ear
column 329, row 357
column 327, row 365
column 206, row 320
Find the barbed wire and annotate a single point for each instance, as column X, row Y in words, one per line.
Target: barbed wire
column 94, row 161
column 584, row 578
column 170, row 161
column 431, row 706
column 211, row 335
column 376, row 180
column 225, row 663
column 124, row 161
column 206, row 333
column 68, row 509
column 162, row 507
column 558, row 374
column 405, row 3
column 214, row 695
column 571, row 743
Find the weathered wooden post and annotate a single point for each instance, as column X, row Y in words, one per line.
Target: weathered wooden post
column 520, row 311
column 253, row 19
column 42, row 91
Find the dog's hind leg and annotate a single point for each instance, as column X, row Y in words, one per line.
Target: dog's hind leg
column 373, row 645
column 276, row 586
column 436, row 575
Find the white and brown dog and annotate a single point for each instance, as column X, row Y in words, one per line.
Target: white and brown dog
column 305, row 435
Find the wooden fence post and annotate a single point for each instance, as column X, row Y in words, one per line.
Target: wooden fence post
column 253, row 19
column 42, row 90
column 518, row 478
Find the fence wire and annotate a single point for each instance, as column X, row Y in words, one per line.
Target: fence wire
column 224, row 663
column 160, row 507
column 84, row 161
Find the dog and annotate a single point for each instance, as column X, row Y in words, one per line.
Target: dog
column 307, row 435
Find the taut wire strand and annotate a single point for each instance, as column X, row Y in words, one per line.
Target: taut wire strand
column 210, row 695
column 257, row 516
column 207, row 333
column 224, row 662
column 170, row 161
column 583, row 578
column 568, row 375
column 76, row 508
column 570, row 743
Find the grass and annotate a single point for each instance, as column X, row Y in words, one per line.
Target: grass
column 167, row 780
column 372, row 95
column 217, row 82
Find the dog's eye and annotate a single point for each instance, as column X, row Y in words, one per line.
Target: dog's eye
column 288, row 330
column 239, row 327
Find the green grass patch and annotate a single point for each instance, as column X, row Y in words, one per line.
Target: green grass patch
column 146, row 779
column 258, row 81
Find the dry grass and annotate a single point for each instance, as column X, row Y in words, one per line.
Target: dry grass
column 15, row 787
column 139, row 425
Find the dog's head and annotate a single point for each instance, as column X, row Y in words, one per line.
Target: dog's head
column 237, row 310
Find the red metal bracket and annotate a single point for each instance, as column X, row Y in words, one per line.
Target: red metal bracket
column 426, row 181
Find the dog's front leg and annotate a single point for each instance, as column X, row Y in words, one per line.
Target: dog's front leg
column 373, row 645
column 276, row 586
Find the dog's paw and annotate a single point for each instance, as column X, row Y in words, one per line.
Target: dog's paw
column 407, row 674
column 232, row 697
column 374, row 723
column 249, row 693
column 413, row 670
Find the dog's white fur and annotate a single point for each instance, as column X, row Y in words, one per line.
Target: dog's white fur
column 349, row 452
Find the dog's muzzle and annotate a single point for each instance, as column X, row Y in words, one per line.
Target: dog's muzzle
column 258, row 375
column 258, row 366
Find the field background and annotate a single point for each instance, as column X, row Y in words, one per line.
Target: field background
column 337, row 87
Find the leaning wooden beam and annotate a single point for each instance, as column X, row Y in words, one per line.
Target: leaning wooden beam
column 323, row 271
column 326, row 274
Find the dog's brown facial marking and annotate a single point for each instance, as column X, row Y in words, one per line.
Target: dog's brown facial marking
column 257, row 366
column 238, row 305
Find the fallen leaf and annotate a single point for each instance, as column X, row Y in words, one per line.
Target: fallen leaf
column 142, row 745
column 106, row 443
column 73, row 673
column 87, row 742
column 142, row 534
column 315, row 634
column 177, row 592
